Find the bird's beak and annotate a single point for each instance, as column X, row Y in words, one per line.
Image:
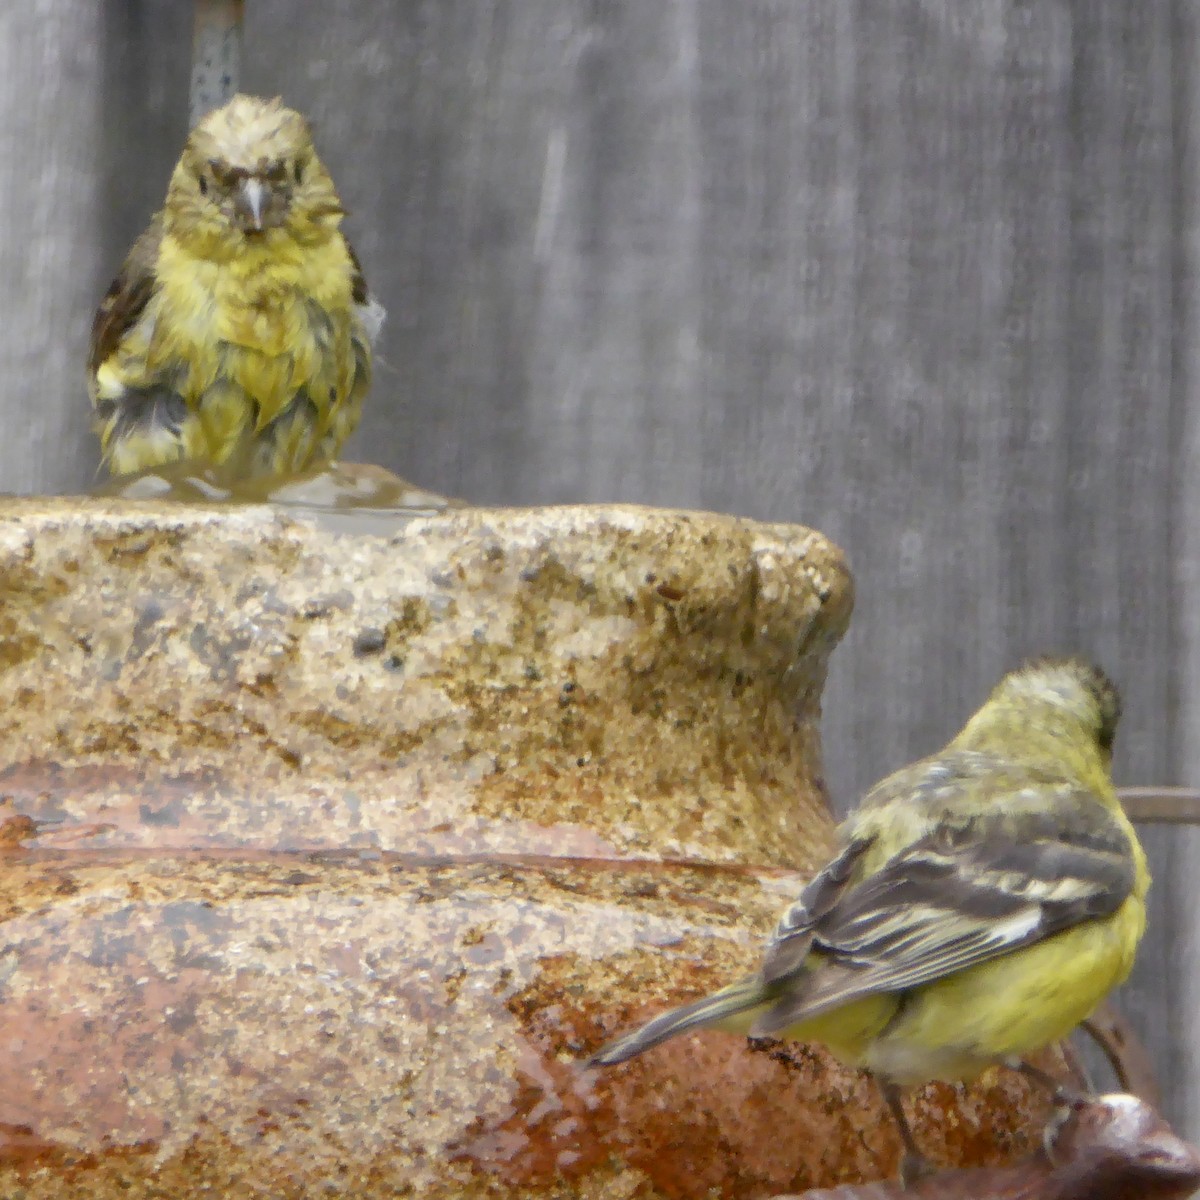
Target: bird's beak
column 251, row 202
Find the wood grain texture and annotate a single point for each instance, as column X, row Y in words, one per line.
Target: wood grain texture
column 50, row 98
column 918, row 274
column 1182, row 717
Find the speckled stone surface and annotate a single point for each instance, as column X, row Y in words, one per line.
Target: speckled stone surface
column 325, row 858
column 573, row 680
column 322, row 1025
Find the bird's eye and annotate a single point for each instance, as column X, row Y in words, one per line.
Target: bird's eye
column 298, row 171
column 203, row 185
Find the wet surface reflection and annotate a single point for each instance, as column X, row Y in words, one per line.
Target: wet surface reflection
column 349, row 498
column 422, row 1019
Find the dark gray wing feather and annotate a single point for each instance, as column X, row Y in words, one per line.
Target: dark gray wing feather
column 127, row 297
column 793, row 936
column 966, row 893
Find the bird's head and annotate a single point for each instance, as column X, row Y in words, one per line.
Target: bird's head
column 249, row 169
column 1072, row 689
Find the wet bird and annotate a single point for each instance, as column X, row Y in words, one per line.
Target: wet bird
column 238, row 333
column 982, row 903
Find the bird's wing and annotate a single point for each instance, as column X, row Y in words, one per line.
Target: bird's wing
column 971, row 890
column 793, row 937
column 370, row 312
column 127, row 296
column 359, row 291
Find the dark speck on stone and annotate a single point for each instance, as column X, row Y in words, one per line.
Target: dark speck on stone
column 369, row 641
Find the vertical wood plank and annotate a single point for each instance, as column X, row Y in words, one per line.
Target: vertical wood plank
column 1181, row 973
column 49, row 221
column 1119, row 481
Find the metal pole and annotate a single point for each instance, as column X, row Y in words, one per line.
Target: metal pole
column 1164, row 805
column 216, row 54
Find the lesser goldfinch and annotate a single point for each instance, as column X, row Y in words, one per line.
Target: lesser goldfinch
column 238, row 332
column 983, row 902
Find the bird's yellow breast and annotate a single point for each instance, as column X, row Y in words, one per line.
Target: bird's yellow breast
column 1012, row 1006
column 240, row 341
column 274, row 300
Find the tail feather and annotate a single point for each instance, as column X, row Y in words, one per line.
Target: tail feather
column 710, row 1010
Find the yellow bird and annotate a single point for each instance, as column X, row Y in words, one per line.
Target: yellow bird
column 982, row 904
column 238, row 332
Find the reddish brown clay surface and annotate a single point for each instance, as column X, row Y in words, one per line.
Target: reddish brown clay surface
column 308, row 857
column 271, row 1025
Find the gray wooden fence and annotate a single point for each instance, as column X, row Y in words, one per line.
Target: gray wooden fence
column 919, row 273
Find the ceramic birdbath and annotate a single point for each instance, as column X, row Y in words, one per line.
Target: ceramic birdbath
column 329, row 854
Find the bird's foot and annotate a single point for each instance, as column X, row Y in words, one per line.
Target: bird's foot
column 1061, row 1095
